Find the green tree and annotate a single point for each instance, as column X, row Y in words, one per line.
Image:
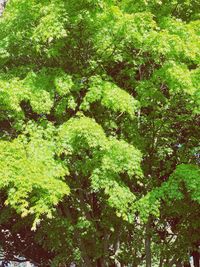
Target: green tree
column 99, row 141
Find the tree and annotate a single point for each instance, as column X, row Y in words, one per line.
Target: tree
column 99, row 120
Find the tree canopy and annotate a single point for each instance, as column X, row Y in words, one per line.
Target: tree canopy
column 99, row 132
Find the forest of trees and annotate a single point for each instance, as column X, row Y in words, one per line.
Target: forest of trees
column 99, row 133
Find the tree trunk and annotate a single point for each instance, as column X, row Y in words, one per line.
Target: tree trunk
column 161, row 262
column 186, row 264
column 148, row 244
column 99, row 263
column 179, row 264
column 196, row 258
column 117, row 247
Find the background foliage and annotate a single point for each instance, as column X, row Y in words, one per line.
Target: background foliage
column 99, row 140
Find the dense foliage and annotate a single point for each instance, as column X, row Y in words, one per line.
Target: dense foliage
column 99, row 140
